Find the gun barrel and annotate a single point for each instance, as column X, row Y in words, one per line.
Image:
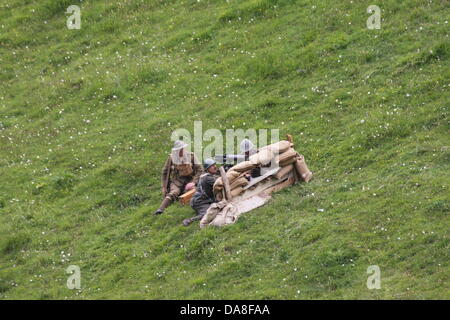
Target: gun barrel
column 220, row 158
column 227, row 158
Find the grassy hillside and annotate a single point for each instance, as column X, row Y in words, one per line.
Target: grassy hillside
column 85, row 123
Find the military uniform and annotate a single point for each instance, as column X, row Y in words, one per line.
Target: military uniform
column 204, row 196
column 180, row 175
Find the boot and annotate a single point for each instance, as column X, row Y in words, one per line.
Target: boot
column 187, row 222
column 164, row 204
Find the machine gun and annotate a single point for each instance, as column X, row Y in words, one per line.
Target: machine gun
column 229, row 160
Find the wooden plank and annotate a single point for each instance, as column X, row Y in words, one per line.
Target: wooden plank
column 186, row 197
column 253, row 202
column 226, row 184
column 280, row 186
column 284, row 171
column 260, row 187
column 257, row 197
column 167, row 181
column 258, row 179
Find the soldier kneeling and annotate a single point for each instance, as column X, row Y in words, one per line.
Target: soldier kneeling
column 204, row 195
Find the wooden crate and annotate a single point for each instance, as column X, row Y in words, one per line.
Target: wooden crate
column 185, row 198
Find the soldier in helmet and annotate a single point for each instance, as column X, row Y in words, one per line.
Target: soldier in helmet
column 204, row 195
column 247, row 148
column 180, row 173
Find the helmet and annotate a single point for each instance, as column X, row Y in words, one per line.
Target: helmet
column 178, row 145
column 246, row 145
column 208, row 163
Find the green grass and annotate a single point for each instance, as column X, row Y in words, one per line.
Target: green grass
column 85, row 123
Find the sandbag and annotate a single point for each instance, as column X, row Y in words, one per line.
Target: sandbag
column 218, row 185
column 237, row 191
column 284, row 171
column 220, row 214
column 218, row 194
column 232, row 175
column 278, row 147
column 243, row 166
column 239, row 182
column 283, row 146
column 217, row 191
column 289, row 154
column 263, row 157
column 302, row 169
column 287, row 162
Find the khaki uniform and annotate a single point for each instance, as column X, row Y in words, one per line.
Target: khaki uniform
column 220, row 214
column 180, row 175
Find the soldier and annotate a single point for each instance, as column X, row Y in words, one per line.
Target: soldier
column 204, row 195
column 180, row 173
column 247, row 148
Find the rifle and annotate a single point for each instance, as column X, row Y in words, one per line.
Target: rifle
column 229, row 160
column 167, row 181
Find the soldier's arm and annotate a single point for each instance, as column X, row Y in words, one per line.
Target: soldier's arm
column 211, row 179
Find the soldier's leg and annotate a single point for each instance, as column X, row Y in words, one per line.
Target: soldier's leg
column 164, row 204
column 172, row 196
column 175, row 191
column 201, row 211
